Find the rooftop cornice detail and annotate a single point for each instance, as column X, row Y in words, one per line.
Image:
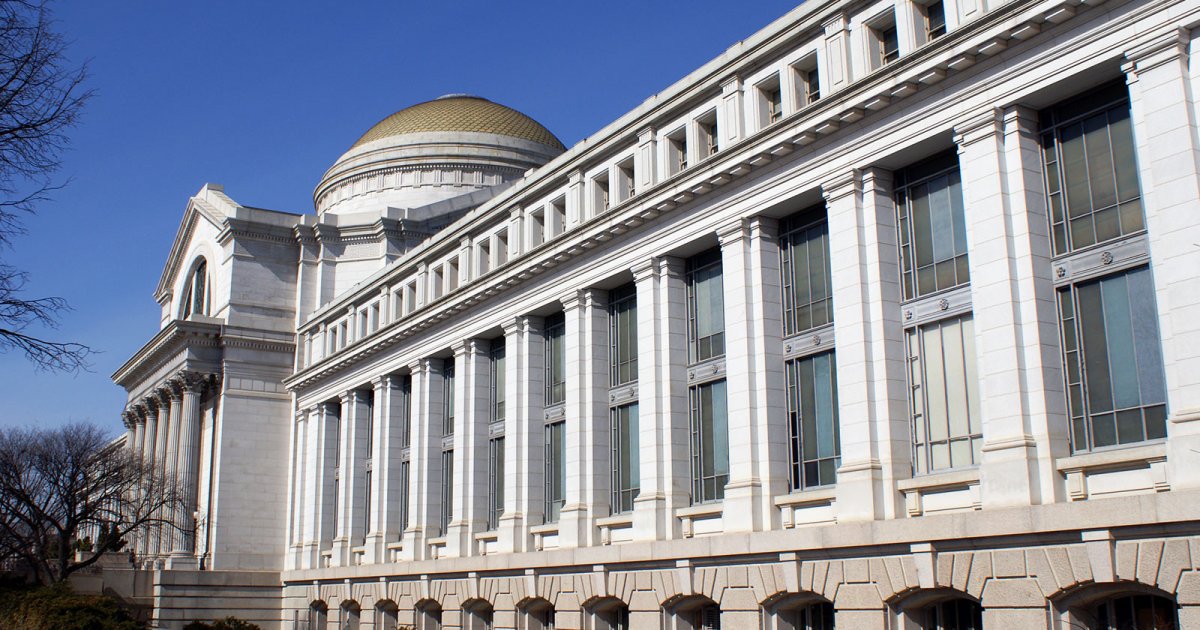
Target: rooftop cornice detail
column 911, row 74
column 176, row 335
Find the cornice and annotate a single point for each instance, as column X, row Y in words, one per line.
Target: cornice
column 176, row 335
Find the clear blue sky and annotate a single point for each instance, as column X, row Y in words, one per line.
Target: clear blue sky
column 263, row 97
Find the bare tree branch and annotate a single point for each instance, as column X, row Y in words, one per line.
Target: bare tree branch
column 41, row 97
column 59, row 486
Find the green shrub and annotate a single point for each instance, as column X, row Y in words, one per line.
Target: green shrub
column 228, row 623
column 58, row 608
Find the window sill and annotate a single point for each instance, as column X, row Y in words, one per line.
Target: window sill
column 616, row 520
column 704, row 511
column 961, row 487
column 1120, row 457
column 1116, row 462
column 823, row 494
column 488, row 536
column 547, row 528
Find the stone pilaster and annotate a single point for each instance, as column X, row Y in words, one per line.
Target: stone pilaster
column 731, row 114
column 758, row 465
column 1163, row 103
column 472, row 373
column 587, row 434
column 646, row 159
column 352, row 470
column 425, row 476
column 297, row 488
column 662, row 399
column 320, row 463
column 1012, row 298
column 837, row 69
column 870, row 351
column 524, row 418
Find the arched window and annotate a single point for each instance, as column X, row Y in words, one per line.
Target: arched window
column 429, row 615
column 958, row 613
column 1135, row 612
column 195, row 297
column 800, row 612
column 318, row 615
column 477, row 615
column 351, row 616
column 696, row 613
column 539, row 615
column 610, row 614
column 386, row 615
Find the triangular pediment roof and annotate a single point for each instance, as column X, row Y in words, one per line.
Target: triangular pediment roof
column 209, row 204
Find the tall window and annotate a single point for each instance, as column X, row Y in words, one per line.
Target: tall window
column 815, row 445
column 495, row 482
column 1112, row 353
column 622, row 324
column 556, row 360
column 706, row 307
column 195, row 299
column 706, row 134
column 808, row 83
column 497, row 379
column 932, row 228
column 404, row 385
column 883, row 40
column 1115, row 384
column 623, row 410
column 448, row 398
column 945, row 395
column 710, row 442
column 626, row 469
column 1091, row 171
column 556, row 469
column 807, row 287
column 496, row 436
column 555, row 428
column 447, row 512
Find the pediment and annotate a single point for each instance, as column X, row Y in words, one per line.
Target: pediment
column 211, row 205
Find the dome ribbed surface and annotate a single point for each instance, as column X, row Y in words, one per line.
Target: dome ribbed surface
column 464, row 114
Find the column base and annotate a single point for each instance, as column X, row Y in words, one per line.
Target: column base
column 458, row 539
column 742, row 507
column 414, row 544
column 573, row 526
column 858, row 487
column 654, row 518
column 182, row 561
column 514, row 534
column 341, row 552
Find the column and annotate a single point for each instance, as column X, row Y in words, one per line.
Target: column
column 425, row 476
column 872, row 393
column 524, row 418
column 662, row 398
column 576, row 205
column 1164, row 107
column 297, row 486
column 1012, row 302
column 391, row 409
column 472, row 375
column 160, row 400
column 320, row 462
column 190, row 386
column 352, row 471
column 149, row 419
column 588, row 462
column 758, row 458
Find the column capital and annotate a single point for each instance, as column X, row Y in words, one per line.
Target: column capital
column 979, row 126
column 425, row 365
column 1155, row 51
column 152, row 401
column 469, row 347
column 1020, row 119
column 643, row 269
column 733, row 232
column 522, row 323
column 129, row 418
column 836, row 23
column 189, row 381
column 841, row 185
column 646, row 134
column 670, row 266
column 876, row 180
column 731, row 84
column 763, row 227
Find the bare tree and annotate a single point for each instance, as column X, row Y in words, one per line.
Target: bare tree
column 58, row 486
column 41, row 97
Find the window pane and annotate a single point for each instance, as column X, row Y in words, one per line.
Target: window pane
column 812, row 414
column 932, row 226
column 710, row 442
column 945, row 396
column 706, row 306
column 1122, row 361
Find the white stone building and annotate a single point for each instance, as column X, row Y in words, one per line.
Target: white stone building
column 888, row 317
